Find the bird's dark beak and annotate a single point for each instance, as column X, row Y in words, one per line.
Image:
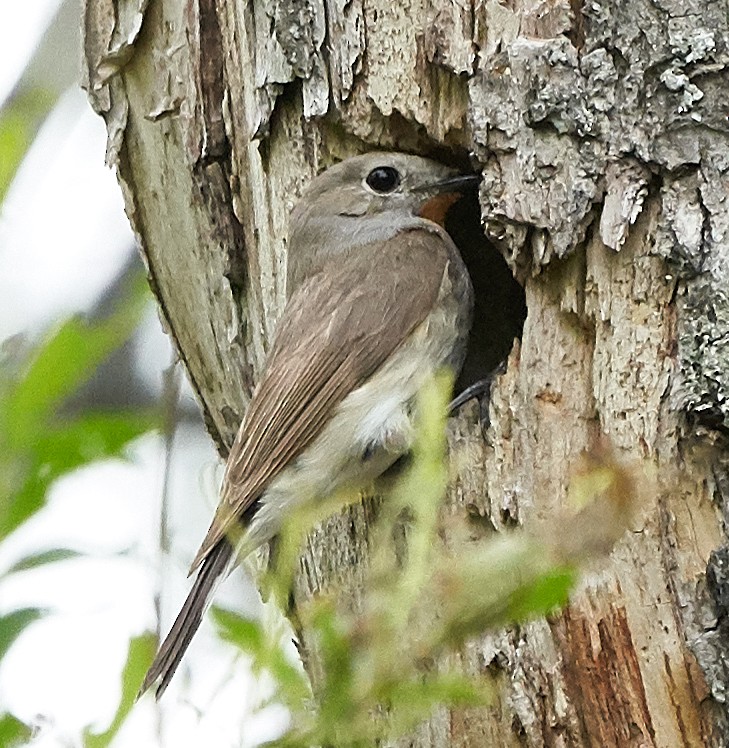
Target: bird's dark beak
column 461, row 183
column 439, row 196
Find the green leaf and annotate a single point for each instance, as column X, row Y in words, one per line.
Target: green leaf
column 424, row 694
column 62, row 364
column 23, row 502
column 412, row 700
column 90, row 437
column 244, row 633
column 251, row 637
column 41, row 559
column 63, row 447
column 336, row 700
column 141, row 652
column 542, row 595
column 12, row 731
column 13, row 624
column 18, row 123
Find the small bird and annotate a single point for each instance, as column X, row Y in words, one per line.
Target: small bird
column 379, row 300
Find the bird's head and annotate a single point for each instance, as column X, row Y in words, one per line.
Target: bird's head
column 368, row 198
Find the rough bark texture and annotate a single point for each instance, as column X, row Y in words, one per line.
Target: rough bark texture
column 603, row 132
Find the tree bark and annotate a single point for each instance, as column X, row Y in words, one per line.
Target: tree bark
column 602, row 129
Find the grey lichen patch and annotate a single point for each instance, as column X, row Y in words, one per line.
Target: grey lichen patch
column 638, row 107
column 702, row 598
column 704, row 351
column 708, row 632
column 546, row 175
column 629, row 90
column 694, row 237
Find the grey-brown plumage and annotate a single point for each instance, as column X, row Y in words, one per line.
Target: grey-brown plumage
column 380, row 301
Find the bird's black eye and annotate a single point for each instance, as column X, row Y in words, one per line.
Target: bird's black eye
column 383, row 179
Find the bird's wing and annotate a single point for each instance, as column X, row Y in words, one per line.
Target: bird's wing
column 337, row 330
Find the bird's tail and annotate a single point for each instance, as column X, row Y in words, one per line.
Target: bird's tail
column 188, row 620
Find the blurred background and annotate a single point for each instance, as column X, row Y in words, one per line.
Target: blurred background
column 107, row 477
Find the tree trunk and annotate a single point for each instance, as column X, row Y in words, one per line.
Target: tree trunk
column 602, row 131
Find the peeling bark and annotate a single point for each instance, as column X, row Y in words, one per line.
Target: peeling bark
column 602, row 129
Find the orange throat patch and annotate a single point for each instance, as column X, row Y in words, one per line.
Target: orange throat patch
column 437, row 207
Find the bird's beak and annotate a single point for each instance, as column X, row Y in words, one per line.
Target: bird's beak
column 442, row 194
column 460, row 184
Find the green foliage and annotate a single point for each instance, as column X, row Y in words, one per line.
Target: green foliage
column 18, row 123
column 12, row 731
column 34, row 560
column 37, row 443
column 141, row 651
column 267, row 655
column 379, row 670
column 12, row 625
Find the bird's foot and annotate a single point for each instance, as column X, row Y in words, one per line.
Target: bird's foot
column 480, row 390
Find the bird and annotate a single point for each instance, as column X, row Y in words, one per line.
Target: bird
column 379, row 299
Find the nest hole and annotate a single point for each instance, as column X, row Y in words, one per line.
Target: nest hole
column 500, row 304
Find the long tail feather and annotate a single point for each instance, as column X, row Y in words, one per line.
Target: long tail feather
column 188, row 619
